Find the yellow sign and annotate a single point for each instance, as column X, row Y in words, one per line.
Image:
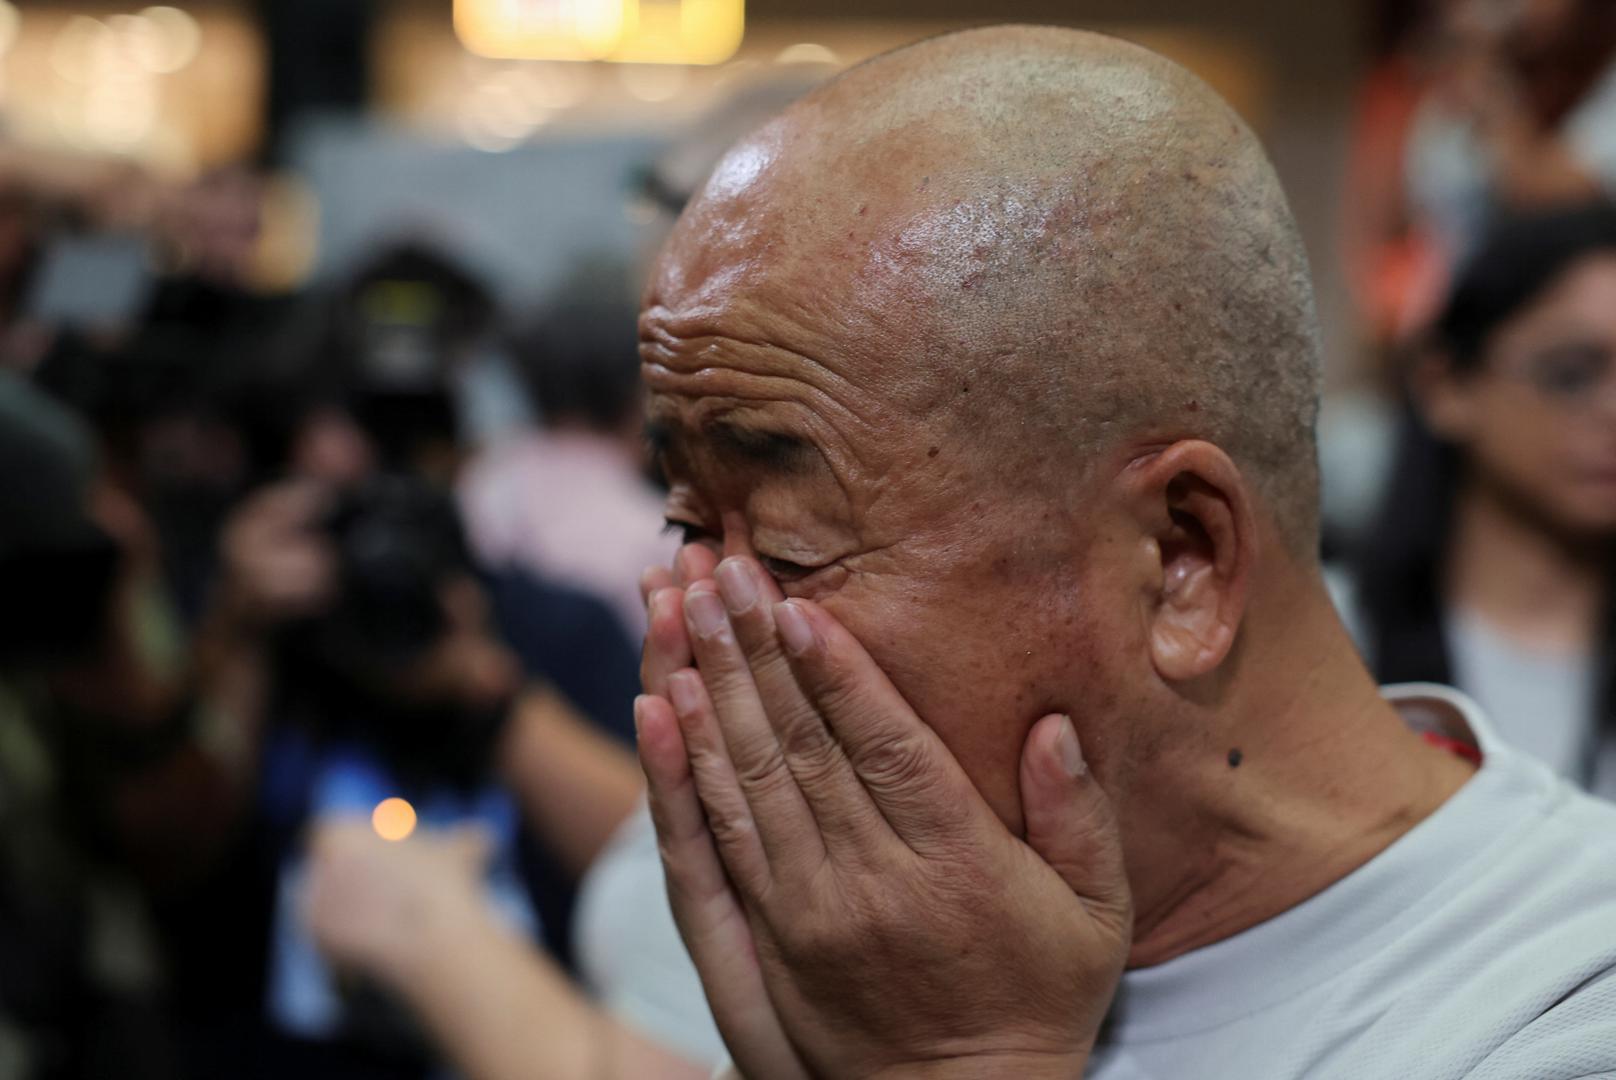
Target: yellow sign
column 625, row 31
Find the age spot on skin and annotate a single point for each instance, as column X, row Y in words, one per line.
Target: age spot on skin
column 1235, row 758
column 934, row 451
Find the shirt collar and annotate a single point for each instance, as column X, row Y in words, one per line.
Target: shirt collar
column 1352, row 919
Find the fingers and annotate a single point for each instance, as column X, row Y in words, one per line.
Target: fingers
column 728, row 815
column 654, row 578
column 695, row 562
column 276, row 565
column 727, row 692
column 912, row 779
column 1069, row 820
column 710, row 917
column 695, row 875
column 841, row 806
column 667, row 649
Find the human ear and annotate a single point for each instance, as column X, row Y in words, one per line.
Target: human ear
column 1443, row 396
column 1196, row 511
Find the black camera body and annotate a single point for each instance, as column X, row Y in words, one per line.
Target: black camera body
column 398, row 544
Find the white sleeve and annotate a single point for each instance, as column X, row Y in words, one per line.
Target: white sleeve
column 1574, row 1040
column 629, row 950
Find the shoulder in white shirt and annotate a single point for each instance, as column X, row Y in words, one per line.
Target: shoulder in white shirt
column 1482, row 944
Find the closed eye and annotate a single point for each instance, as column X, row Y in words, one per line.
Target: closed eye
column 783, row 571
column 687, row 532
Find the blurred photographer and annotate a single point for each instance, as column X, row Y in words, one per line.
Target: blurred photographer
column 430, row 915
column 391, row 700
column 357, row 433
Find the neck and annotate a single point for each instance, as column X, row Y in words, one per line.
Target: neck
column 1328, row 776
column 1535, row 585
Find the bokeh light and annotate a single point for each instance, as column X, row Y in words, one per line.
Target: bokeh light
column 393, row 819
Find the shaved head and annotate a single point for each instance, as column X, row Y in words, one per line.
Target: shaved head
column 1046, row 242
column 1001, row 347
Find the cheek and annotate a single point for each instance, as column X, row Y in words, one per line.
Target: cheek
column 1541, row 454
column 979, row 665
column 1516, row 436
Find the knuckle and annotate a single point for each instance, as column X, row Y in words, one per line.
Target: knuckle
column 870, row 918
column 754, row 630
column 725, row 680
column 894, row 762
column 732, row 827
column 762, row 766
column 821, row 939
column 838, row 692
column 809, row 749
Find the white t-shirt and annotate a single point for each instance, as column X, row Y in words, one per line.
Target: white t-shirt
column 1482, row 944
column 1539, row 700
column 629, row 950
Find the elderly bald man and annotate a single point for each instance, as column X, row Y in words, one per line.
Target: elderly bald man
column 989, row 370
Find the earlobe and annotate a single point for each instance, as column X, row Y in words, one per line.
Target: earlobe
column 1205, row 537
column 1440, row 395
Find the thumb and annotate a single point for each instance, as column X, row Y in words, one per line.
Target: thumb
column 1069, row 820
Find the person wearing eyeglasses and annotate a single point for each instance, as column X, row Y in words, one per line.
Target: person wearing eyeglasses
column 1492, row 565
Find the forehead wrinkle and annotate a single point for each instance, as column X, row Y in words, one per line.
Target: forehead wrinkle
column 710, row 357
column 763, row 323
column 826, row 432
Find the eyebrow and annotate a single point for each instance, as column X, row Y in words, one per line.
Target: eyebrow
column 771, row 451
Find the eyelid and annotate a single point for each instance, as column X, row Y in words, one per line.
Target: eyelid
column 784, row 571
column 689, row 532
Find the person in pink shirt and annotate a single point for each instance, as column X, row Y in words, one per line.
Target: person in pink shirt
column 571, row 500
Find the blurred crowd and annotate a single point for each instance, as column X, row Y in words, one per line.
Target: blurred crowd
column 278, row 593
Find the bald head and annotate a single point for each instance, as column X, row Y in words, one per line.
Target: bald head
column 1049, row 241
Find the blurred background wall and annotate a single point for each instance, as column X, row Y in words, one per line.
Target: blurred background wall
column 392, row 124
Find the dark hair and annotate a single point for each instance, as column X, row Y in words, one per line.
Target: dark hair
column 1399, row 563
column 579, row 357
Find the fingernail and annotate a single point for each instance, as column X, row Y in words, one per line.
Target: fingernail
column 706, row 613
column 794, row 628
column 662, row 601
column 1071, row 751
column 737, row 585
column 639, row 716
column 682, row 688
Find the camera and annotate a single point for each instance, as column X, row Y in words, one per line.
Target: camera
column 365, row 726
column 350, row 673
